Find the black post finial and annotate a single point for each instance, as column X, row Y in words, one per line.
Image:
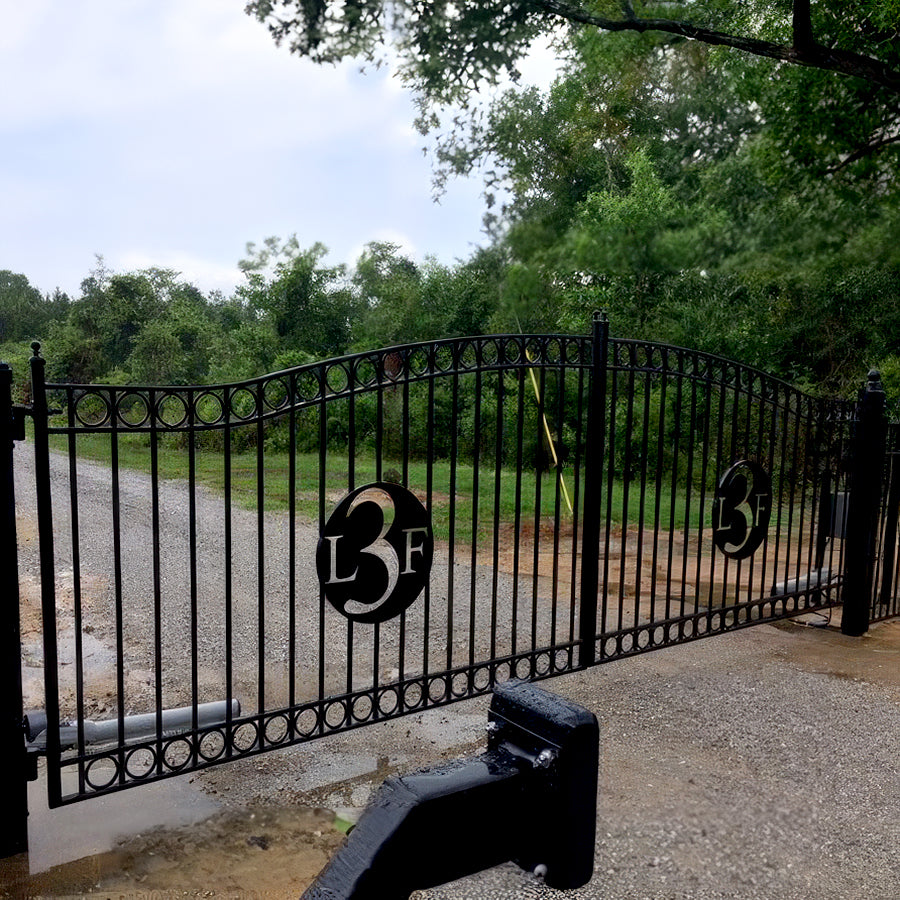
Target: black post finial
column 36, row 348
column 874, row 381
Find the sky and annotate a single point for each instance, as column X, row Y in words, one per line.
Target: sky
column 172, row 132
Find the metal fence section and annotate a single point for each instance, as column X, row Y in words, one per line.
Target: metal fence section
column 720, row 489
column 886, row 583
column 575, row 499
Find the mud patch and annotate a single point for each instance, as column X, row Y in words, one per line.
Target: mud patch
column 271, row 852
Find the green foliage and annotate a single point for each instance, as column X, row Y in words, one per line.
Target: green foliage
column 16, row 355
column 450, row 47
column 304, row 301
column 25, row 313
column 176, row 347
column 402, row 302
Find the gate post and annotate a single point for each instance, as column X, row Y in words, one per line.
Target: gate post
column 866, row 475
column 593, row 478
column 40, row 416
column 13, row 756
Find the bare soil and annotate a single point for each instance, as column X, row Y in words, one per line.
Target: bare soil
column 262, row 851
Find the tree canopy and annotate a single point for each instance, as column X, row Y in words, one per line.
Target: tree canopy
column 456, row 44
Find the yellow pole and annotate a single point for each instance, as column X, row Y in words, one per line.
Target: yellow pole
column 537, row 396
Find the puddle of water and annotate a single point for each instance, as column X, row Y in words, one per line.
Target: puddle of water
column 86, row 829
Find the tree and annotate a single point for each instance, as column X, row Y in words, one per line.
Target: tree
column 306, row 303
column 147, row 325
column 25, row 313
column 176, row 347
column 660, row 180
column 462, row 42
column 389, row 288
column 447, row 49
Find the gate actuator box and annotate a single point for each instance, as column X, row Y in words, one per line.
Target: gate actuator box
column 530, row 798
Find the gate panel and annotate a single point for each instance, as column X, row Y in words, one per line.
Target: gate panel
column 187, row 522
column 677, row 424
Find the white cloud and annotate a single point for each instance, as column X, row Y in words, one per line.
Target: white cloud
column 170, row 132
column 205, row 274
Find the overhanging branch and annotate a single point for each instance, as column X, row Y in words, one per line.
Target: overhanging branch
column 804, row 52
column 868, row 149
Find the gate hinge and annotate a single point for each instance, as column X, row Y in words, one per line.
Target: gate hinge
column 32, row 723
column 18, row 421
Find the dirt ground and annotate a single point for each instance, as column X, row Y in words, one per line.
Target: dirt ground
column 258, row 852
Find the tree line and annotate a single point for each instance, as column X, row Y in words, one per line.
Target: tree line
column 152, row 327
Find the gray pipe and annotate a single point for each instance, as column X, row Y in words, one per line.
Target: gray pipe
column 174, row 721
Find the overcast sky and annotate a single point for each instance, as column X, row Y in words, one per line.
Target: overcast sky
column 171, row 132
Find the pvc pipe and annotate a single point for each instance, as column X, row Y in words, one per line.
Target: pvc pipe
column 174, row 721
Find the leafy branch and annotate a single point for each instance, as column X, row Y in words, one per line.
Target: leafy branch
column 804, row 50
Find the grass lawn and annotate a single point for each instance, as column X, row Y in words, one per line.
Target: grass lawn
column 315, row 490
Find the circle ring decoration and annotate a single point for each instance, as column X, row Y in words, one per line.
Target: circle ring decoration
column 375, row 553
column 742, row 509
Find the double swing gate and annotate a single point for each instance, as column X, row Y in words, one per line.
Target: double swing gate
column 229, row 569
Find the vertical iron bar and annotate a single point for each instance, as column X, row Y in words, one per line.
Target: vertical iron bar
column 405, row 438
column 351, row 486
column 451, row 537
column 76, row 586
column 811, row 479
column 770, row 463
column 673, row 491
column 626, row 482
column 498, row 469
column 794, row 476
column 642, row 503
column 429, row 495
column 719, row 468
column 118, row 586
column 192, row 557
column 157, row 576
column 13, row 758
column 379, row 470
column 379, row 418
column 476, row 501
column 784, row 409
column 658, row 481
column 765, row 461
column 40, row 416
column 323, row 489
column 609, row 432
column 577, row 475
column 593, row 479
column 227, row 400
column 736, row 452
column 261, row 561
column 292, row 540
column 706, row 412
column 560, row 419
column 538, row 501
column 517, row 515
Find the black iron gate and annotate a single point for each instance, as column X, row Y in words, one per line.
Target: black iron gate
column 235, row 568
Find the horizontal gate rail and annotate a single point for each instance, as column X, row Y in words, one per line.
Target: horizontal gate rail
column 578, row 499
